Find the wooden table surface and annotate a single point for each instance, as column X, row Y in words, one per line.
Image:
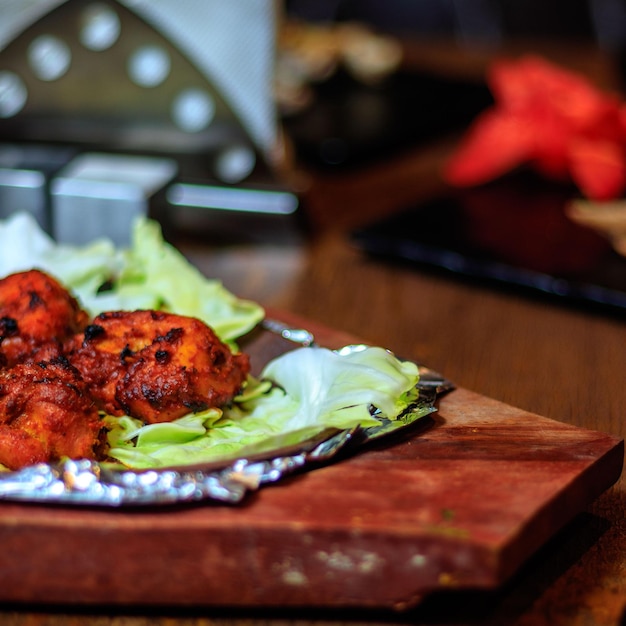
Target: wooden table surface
column 562, row 363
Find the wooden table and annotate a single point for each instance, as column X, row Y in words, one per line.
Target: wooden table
column 561, row 363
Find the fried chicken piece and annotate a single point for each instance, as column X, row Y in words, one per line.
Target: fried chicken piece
column 37, row 314
column 46, row 415
column 156, row 366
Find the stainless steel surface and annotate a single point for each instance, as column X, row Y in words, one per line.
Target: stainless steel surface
column 101, row 195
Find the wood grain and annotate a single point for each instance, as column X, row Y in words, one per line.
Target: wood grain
column 564, row 364
column 561, row 363
column 462, row 503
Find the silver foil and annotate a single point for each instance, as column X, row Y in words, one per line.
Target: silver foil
column 86, row 482
column 89, row 483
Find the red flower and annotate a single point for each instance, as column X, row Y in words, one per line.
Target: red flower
column 552, row 119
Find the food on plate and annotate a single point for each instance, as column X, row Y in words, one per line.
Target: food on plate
column 152, row 375
column 149, row 274
column 60, row 369
column 298, row 395
column 156, row 366
column 46, row 414
column 37, row 314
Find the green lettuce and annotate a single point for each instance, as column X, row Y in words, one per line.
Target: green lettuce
column 299, row 394
column 156, row 275
column 83, row 269
column 150, row 274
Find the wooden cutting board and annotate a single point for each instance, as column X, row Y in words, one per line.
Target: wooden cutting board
column 461, row 502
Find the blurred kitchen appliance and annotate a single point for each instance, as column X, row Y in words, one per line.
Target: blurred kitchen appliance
column 186, row 81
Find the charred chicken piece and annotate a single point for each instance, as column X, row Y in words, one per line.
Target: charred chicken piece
column 156, row 366
column 45, row 415
column 37, row 314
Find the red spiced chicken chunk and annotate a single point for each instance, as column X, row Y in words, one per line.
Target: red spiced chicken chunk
column 45, row 415
column 58, row 370
column 37, row 314
column 156, row 366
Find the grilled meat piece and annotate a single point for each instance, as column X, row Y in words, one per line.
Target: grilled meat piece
column 58, row 370
column 156, row 366
column 45, row 415
column 37, row 314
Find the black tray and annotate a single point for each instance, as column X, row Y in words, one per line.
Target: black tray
column 512, row 233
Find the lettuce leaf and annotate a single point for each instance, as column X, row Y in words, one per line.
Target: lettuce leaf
column 311, row 389
column 298, row 395
column 323, row 381
column 153, row 266
column 150, row 274
column 83, row 269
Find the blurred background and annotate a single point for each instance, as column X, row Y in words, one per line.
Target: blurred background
column 477, row 21
column 230, row 119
